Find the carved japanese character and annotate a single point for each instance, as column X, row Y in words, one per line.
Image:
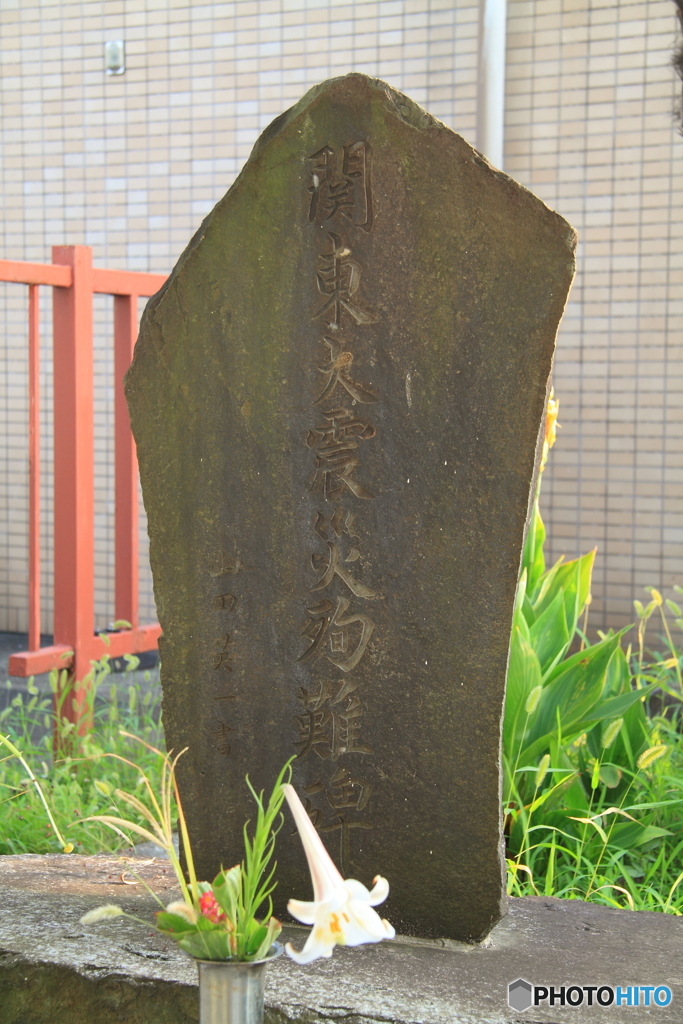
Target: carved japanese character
column 225, row 601
column 339, row 280
column 320, row 626
column 330, row 726
column 329, row 192
column 225, row 696
column 357, row 168
column 224, row 564
column 335, row 568
column 338, row 523
column 345, row 791
column 343, row 824
column 222, row 730
column 336, row 373
column 348, row 193
column 336, row 445
column 222, row 655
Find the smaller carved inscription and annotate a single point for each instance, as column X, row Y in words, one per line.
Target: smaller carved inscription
column 223, row 564
column 222, row 654
column 225, row 696
column 221, row 731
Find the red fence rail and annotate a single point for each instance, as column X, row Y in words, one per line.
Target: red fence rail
column 76, row 644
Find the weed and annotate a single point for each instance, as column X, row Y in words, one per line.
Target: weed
column 80, row 783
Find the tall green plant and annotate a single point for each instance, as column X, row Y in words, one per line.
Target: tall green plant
column 576, row 737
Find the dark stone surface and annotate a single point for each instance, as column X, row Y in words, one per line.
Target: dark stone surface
column 336, row 400
column 118, row 972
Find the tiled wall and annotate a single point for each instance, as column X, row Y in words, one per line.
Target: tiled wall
column 590, row 100
column 130, row 164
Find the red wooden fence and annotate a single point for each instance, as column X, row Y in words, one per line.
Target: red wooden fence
column 74, row 281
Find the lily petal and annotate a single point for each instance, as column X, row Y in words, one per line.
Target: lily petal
column 304, row 912
column 380, row 890
column 324, row 874
column 311, row 951
column 368, row 920
column 356, row 890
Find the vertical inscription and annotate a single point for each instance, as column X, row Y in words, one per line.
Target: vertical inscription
column 223, row 606
column 337, row 624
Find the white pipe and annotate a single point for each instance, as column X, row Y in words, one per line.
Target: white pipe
column 491, row 85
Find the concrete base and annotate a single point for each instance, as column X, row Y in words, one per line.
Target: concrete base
column 52, row 969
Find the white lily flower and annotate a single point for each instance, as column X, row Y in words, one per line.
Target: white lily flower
column 341, row 912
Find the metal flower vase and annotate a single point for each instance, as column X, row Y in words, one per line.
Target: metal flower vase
column 232, row 991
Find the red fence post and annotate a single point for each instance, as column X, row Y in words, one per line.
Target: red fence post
column 125, row 466
column 74, row 617
column 33, row 469
column 75, row 280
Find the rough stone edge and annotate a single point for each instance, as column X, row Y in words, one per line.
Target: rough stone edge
column 26, row 983
column 405, row 108
column 297, row 1013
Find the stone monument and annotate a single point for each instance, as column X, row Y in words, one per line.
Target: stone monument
column 337, row 399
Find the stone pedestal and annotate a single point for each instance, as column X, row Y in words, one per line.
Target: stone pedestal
column 117, row 972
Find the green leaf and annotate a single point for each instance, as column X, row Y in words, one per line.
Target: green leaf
column 533, row 559
column 545, row 583
column 549, row 635
column 615, row 707
column 207, row 945
column 524, row 674
column 226, row 888
column 610, row 775
column 255, row 939
column 520, row 616
column 173, row 924
column 629, row 834
column 618, row 675
column 573, row 581
column 574, row 689
column 528, row 613
column 272, row 932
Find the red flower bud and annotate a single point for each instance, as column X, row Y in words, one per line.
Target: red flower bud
column 208, row 904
